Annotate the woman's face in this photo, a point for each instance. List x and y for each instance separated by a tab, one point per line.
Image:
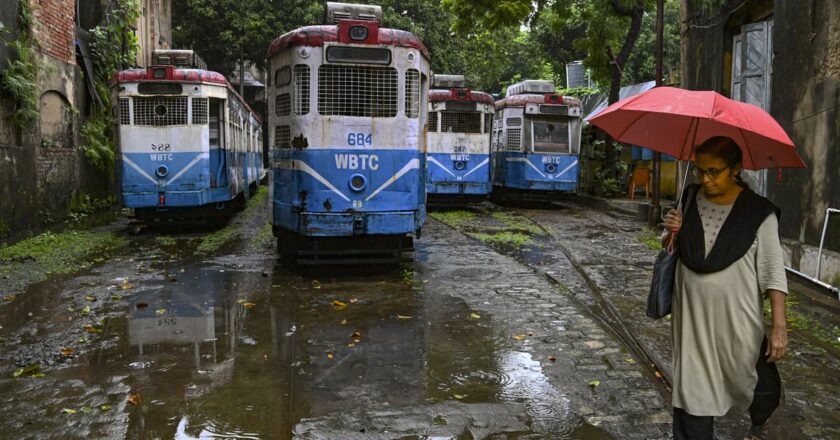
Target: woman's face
716	177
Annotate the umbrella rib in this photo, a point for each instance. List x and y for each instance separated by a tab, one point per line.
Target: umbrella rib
641	115
749	152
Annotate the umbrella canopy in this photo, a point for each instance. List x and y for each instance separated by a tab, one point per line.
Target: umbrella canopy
673	121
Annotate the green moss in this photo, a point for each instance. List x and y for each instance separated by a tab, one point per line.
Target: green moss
456	219
233	231
508	238
517	222
59	253
650	238
163	240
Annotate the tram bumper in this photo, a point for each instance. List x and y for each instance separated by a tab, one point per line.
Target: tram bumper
349	224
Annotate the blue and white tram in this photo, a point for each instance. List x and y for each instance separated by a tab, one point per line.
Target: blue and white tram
348	110
458	156
189	146
536	142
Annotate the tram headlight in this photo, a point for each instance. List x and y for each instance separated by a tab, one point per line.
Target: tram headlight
159	73
460	165
358	182
162	171
358	33
550	168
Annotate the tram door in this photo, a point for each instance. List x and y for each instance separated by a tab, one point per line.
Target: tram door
218	171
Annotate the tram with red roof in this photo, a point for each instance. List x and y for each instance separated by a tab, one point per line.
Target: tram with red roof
458	156
347	121
189	147
536	143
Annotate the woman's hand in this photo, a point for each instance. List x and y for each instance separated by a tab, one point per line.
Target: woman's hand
776	343
777	339
673	220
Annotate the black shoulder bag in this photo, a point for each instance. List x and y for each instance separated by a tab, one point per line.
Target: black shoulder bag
664	270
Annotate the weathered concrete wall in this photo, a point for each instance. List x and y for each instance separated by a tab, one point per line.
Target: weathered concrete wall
804	96
42	168
154	29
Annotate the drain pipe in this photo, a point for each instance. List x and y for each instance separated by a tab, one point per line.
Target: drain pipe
816	280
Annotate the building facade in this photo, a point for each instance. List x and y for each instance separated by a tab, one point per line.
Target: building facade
783	56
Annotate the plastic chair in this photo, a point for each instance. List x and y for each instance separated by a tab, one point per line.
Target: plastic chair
641	176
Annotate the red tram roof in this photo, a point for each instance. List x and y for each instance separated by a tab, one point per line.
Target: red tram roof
175	74
521	100
319	35
438	95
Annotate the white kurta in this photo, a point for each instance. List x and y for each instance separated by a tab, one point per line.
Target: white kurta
718	321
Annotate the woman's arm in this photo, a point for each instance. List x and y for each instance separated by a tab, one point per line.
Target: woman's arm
777	339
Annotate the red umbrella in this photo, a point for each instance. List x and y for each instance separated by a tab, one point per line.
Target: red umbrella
673	121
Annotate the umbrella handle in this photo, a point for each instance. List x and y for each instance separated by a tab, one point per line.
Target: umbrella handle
672	244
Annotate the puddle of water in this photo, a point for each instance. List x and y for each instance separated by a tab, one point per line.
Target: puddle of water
206	362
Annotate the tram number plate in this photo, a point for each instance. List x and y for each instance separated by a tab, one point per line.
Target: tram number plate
167	322
161	147
359	139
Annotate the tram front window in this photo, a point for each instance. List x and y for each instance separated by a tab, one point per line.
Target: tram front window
551	136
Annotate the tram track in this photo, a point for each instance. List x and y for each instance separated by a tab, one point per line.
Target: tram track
602	309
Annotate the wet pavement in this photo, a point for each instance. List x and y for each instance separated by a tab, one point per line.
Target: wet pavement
476	339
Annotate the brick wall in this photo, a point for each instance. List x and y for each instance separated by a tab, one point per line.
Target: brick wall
56	21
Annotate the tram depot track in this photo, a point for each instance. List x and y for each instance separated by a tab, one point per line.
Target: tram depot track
604	311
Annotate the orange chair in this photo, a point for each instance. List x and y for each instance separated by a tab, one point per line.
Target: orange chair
641	176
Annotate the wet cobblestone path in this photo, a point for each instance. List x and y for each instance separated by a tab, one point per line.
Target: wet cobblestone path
511	324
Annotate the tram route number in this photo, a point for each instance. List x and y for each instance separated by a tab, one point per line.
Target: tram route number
359	139
167	322
161	152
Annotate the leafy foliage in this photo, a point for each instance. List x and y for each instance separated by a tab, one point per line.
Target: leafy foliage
113	47
18	80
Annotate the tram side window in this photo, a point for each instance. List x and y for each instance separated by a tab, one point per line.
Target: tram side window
301	89
215	125
551	136
412	93
488	122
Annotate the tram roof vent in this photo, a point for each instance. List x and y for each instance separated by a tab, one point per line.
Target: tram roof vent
177	58
347	11
448	81
530	86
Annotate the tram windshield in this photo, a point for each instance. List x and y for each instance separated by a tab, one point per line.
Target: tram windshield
551	136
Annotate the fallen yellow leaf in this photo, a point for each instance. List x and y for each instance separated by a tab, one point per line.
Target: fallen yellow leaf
90	298
594	383
459	396
475	316
316	284
134	399
249	305
67	351
338	305
519	337
68	411
9	298
356	336
329	355
240	301
343	322
630	360
91	329
404	317
353	300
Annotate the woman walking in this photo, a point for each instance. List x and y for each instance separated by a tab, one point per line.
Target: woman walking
730	258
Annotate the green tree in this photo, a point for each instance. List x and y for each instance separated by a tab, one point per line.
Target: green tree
641	66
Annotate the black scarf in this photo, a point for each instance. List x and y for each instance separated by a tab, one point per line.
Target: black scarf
735	238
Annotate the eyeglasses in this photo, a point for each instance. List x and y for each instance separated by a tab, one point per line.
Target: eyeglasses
712	173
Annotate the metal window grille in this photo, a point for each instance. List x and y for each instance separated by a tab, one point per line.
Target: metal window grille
357	91
282	137
283	104
125	116
301	89
488	122
199	110
412	93
433	117
514	139
460	122
160	110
